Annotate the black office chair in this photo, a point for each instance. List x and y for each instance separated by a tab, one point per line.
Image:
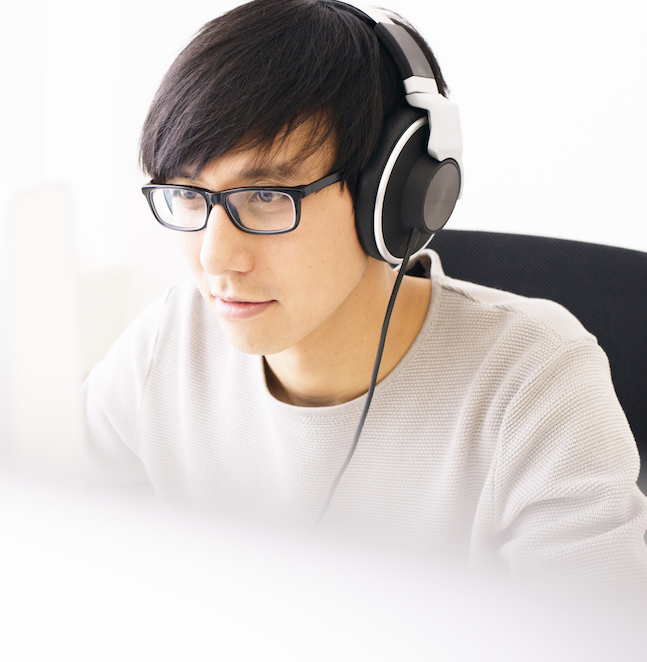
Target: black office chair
603	286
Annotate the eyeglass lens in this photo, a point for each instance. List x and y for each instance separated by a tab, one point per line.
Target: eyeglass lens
260	209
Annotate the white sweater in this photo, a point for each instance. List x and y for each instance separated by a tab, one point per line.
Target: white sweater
498	438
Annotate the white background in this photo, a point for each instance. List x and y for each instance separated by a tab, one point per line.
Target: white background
553	103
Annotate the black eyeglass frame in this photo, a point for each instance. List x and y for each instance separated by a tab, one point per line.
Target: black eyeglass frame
212	198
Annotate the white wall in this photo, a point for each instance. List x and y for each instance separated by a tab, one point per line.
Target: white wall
552	98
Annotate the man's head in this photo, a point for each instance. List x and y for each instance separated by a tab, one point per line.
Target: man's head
261	70
279	93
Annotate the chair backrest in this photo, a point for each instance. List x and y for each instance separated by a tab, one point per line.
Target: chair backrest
603	286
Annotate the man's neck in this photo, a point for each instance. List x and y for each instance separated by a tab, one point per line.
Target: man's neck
334	364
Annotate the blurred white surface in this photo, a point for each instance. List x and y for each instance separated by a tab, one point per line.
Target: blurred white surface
88	576
102	296
42	332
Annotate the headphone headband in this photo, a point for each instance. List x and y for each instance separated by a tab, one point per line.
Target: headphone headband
445	138
402	47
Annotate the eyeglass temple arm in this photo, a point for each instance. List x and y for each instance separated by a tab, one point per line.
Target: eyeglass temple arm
321	183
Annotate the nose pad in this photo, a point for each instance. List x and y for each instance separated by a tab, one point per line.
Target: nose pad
224	247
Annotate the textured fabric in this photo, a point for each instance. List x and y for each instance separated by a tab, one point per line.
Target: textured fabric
603	286
497	439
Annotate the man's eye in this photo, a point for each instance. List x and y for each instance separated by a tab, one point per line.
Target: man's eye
186	195
265	196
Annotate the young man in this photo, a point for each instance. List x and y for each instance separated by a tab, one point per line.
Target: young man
493	434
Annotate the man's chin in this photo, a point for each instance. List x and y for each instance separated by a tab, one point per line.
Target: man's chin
247	341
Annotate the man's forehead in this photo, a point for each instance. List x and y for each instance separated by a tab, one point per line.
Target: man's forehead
239	170
274	168
293	152
285	162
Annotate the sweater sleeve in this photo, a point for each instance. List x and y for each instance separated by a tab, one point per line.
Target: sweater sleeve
111	400
566	503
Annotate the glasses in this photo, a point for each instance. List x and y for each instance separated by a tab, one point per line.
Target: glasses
253	209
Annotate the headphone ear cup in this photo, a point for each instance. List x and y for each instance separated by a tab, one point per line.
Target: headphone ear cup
430	194
381	185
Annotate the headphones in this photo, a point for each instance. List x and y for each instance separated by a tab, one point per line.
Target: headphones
414	177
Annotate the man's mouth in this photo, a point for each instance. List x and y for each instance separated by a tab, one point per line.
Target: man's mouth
236	309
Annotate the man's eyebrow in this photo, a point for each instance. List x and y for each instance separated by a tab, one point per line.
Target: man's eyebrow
254	171
276	171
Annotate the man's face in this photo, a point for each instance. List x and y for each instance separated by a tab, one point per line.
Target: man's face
275	292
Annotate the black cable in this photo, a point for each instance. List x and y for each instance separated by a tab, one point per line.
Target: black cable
413	238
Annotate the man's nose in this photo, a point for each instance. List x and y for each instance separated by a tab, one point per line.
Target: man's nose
224	246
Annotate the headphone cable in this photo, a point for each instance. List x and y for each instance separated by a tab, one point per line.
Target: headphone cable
411	242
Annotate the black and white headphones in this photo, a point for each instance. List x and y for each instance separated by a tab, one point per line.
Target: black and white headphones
415	174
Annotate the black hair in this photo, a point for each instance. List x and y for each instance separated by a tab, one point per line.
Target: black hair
264	68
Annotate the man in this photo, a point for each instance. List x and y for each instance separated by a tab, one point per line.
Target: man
493	433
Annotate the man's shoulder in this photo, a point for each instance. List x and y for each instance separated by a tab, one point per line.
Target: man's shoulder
466	303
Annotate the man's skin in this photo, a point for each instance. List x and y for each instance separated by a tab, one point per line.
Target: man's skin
325	298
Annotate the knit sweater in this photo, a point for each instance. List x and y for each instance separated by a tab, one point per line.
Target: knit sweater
498	438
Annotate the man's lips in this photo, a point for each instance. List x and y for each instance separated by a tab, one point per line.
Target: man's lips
236	309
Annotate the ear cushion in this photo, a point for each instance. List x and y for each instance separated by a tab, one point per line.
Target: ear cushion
385	190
